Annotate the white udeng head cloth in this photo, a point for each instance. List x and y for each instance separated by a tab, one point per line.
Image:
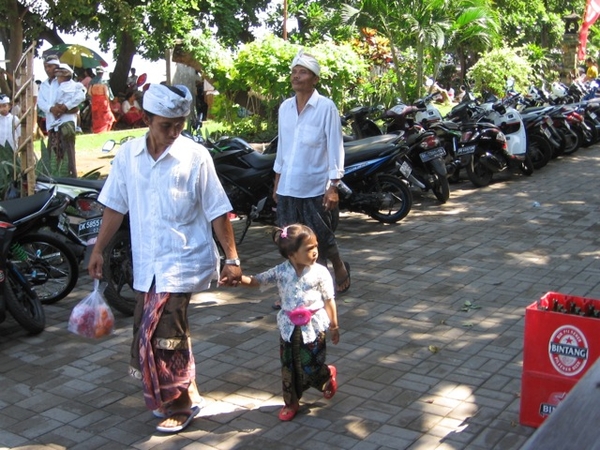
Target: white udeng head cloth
167	101
65	67
304	60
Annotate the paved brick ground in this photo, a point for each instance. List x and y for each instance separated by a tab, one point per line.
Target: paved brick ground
415	370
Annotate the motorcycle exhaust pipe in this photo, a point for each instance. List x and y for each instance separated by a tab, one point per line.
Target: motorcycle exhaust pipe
416	182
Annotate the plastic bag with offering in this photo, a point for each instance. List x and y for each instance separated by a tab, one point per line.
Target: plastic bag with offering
92	317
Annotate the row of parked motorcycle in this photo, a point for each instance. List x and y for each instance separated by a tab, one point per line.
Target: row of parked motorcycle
44	238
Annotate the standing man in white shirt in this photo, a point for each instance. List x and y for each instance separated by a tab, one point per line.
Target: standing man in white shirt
61	121
168	185
310	163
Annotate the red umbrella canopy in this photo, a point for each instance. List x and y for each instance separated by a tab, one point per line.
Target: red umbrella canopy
76	55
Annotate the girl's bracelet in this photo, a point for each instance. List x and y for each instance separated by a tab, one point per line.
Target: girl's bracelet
334	328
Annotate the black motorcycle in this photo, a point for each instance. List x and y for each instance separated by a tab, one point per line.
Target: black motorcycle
371	174
44	247
16	295
425	154
360	121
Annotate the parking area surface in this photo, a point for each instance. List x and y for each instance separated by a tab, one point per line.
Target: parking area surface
431	347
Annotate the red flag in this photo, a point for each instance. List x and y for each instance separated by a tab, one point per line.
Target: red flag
592	12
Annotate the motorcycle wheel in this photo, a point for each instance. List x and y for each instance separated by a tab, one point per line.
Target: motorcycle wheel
401	194
118	273
527	166
22	302
479	175
591	136
540	150
571	142
441	188
51	267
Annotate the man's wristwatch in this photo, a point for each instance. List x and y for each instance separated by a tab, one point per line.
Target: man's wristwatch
232	262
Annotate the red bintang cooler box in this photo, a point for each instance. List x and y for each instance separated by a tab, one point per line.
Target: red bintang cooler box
562	340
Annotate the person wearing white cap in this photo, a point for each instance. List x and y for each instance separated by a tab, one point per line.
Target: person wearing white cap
310	148
10	131
61	119
168	185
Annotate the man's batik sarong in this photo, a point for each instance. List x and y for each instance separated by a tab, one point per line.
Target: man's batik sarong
164	356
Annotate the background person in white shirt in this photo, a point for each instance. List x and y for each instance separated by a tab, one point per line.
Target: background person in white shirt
168	185
309	163
61	120
10	132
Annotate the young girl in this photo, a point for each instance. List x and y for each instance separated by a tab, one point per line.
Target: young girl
308	310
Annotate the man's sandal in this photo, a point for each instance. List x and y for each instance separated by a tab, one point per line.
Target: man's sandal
344	281
163	413
188	416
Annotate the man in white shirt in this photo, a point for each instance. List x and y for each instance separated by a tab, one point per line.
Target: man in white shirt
168	185
310	163
10	131
61	119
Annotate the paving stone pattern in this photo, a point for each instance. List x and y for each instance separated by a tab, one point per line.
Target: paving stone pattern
418	366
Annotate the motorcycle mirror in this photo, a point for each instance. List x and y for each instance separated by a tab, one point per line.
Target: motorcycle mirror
510	83
429	82
108	146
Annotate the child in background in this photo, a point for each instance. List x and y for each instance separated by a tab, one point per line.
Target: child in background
308	310
10	132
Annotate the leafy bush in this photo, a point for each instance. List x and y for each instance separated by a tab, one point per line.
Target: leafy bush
489	74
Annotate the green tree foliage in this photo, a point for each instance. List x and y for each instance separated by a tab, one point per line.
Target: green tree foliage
316	20
143	27
489	74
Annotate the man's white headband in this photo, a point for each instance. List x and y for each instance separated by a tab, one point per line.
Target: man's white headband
167	101
304	60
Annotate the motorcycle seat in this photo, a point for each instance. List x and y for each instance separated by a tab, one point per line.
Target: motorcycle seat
446	124
369	148
95	185
260	161
19	208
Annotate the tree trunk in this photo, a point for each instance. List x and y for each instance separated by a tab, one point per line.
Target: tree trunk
12	41
127	50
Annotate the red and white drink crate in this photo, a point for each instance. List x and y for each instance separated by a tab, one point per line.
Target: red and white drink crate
562	341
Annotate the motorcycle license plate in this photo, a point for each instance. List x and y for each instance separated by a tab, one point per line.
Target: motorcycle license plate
467	150
405	169
593	115
548	121
432	154
63	223
89	227
547	132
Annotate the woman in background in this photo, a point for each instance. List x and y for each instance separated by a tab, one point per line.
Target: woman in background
100	97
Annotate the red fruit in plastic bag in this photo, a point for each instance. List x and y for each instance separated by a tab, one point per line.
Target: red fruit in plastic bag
92	316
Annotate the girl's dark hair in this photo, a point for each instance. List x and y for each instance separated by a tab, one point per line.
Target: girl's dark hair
289	239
